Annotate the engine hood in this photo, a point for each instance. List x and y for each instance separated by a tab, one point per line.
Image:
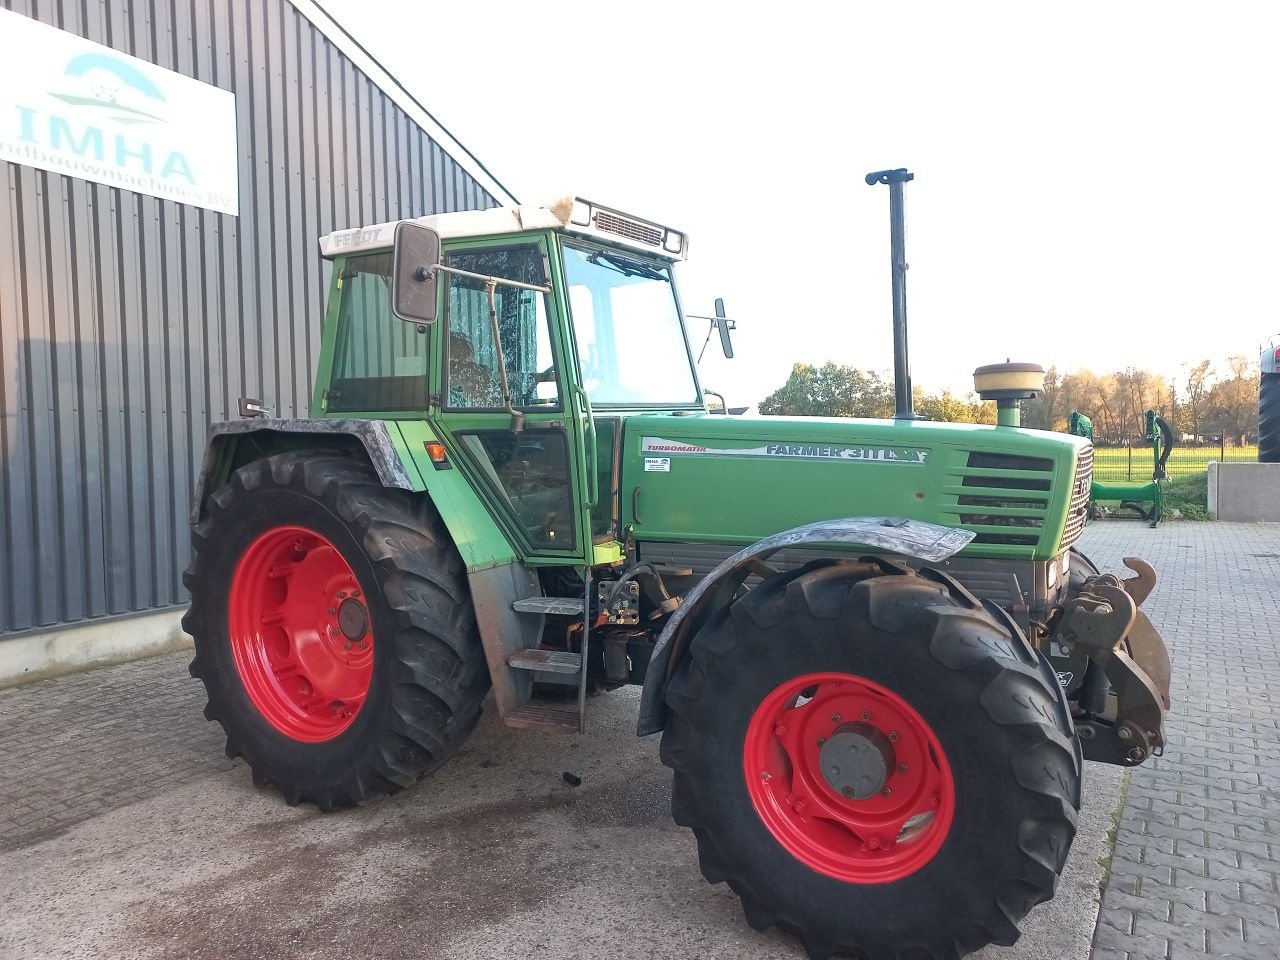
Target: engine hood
737	479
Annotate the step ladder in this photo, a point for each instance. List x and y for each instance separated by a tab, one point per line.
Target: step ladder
554	716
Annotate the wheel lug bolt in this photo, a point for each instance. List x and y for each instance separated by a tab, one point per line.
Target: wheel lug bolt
779	730
363	645
333	611
902	768
835	718
895	736
885	792
766	776
347	645
821	741
342	595
355	593
866	714
800	806
848	792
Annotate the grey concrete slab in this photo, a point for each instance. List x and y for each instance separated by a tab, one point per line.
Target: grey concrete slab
151	845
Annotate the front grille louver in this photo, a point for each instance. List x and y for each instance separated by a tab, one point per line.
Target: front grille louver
1078	511
1005	497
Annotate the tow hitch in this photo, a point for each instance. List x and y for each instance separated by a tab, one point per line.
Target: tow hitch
1103	622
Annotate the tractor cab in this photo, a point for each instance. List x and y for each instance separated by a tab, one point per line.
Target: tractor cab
523	336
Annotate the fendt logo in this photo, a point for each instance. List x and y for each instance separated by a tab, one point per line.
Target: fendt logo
80	109
104	91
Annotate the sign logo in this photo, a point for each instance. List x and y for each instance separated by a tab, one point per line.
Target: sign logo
77	108
111	84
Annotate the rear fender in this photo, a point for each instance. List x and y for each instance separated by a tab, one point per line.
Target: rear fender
267	435
930	542
396	450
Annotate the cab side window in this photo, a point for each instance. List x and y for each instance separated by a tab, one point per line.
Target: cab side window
473	381
380	362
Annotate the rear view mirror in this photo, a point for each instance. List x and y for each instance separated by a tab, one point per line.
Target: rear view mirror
725	326
413	272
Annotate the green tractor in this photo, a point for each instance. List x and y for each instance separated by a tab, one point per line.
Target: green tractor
874	657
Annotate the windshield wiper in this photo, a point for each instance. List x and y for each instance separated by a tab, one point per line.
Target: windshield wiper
626	267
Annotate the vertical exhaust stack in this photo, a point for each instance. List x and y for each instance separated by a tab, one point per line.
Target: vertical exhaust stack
898	267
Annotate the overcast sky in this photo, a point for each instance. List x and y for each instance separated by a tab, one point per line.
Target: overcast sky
1098	184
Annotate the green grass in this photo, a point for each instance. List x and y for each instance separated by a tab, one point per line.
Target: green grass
1111	464
1189	494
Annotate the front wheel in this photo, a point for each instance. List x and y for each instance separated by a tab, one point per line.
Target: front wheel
879	765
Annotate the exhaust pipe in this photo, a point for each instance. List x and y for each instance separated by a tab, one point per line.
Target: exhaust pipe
898	266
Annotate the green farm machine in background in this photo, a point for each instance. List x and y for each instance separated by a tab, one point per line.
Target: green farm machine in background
1144	499
874	656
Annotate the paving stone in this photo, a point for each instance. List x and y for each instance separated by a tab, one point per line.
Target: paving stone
1216	791
118	712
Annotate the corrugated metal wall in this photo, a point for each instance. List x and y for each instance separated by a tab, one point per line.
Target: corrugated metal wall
128	323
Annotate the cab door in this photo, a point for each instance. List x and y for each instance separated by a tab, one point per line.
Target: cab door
534	480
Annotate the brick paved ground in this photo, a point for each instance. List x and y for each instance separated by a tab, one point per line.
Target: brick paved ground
55	734
1196	870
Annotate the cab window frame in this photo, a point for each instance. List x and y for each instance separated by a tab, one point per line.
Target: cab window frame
379	394
562	383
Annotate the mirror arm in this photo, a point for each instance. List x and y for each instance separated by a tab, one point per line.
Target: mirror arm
485	279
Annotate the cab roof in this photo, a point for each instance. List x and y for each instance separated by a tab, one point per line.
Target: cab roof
570	214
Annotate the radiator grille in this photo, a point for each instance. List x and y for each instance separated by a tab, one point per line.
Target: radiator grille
631	229
1003	497
1078	511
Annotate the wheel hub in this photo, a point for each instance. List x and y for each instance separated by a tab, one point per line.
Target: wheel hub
848	777
301	637
353	619
856	761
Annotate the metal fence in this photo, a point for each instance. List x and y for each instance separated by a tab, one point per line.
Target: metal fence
1134	460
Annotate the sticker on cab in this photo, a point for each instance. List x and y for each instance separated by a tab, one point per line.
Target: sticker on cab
657	464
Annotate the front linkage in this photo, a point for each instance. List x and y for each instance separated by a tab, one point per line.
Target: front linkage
1102	623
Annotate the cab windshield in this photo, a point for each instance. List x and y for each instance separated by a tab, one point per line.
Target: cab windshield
631	343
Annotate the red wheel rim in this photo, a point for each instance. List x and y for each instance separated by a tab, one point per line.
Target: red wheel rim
300	633
879	838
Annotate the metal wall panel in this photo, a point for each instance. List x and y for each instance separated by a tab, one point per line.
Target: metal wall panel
128	323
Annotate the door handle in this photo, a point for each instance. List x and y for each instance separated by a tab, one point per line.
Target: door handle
593	479
635	505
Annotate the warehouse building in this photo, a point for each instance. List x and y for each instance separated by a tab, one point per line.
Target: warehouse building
168	168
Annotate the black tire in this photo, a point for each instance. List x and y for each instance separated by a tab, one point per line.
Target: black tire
428	675
1080	568
989	697
1269	418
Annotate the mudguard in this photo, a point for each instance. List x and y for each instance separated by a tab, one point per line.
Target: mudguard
372	434
930	542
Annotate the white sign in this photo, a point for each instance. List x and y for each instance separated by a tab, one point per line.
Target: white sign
72	106
657	464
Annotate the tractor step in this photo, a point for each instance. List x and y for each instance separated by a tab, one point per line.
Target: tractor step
551	661
552	606
540	716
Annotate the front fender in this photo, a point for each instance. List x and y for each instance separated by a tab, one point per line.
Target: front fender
930	542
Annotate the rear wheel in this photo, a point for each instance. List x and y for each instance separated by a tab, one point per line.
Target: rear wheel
333	628
881	766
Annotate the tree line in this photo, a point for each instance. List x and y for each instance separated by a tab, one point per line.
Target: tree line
1206	403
